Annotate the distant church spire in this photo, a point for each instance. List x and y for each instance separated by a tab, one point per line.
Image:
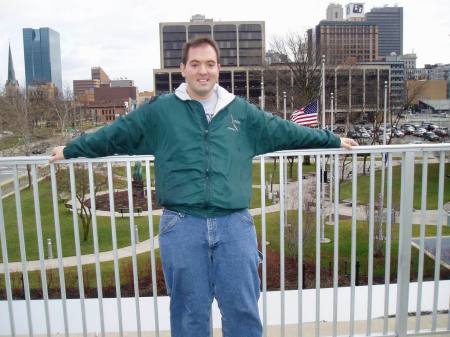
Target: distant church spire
11	74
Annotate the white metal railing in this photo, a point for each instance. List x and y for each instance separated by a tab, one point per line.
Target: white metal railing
411	155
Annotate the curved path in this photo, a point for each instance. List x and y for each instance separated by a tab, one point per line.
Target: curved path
431	217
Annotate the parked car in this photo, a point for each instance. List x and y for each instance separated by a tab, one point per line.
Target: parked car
39	148
339	129
352	134
418	132
398	133
429	126
441	132
363	134
381	136
431	136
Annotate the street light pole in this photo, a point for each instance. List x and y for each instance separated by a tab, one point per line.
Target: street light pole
262	96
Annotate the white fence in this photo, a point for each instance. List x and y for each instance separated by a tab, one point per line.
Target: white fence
333	300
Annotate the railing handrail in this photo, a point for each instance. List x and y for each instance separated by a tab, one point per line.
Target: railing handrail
366	149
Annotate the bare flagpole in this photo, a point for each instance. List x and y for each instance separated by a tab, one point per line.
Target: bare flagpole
322	189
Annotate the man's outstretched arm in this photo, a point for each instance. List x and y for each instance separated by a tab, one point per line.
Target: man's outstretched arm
130	134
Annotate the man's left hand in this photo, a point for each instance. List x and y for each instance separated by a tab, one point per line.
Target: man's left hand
348	143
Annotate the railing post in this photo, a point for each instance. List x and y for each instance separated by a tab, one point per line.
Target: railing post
404	248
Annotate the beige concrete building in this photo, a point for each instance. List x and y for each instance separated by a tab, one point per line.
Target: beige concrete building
426	90
340	41
83	90
242	53
144	97
97	73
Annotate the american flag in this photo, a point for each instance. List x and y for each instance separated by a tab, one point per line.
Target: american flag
306	115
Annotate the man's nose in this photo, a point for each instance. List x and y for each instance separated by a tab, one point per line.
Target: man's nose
202	69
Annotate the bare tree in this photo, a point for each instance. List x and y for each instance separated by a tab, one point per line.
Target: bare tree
63	109
82	192
308	223
304	85
19	117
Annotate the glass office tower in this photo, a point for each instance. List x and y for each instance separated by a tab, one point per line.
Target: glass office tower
42	57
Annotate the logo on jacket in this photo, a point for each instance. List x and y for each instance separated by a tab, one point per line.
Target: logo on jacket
234	125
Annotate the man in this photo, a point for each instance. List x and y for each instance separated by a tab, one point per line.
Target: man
204	139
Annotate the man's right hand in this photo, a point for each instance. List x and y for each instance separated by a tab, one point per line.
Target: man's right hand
57	153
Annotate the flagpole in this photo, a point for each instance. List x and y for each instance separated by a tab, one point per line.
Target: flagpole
322	185
285	161
323	91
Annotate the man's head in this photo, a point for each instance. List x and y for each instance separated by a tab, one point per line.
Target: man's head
200	66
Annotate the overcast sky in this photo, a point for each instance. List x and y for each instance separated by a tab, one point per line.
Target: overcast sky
123	36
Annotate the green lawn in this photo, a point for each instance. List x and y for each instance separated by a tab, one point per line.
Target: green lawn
10	141
275	171
123	234
362	246
67	231
126	279
363	186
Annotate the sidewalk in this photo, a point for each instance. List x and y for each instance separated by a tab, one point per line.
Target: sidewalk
71	261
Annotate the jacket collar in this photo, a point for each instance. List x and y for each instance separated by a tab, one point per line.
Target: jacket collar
224	97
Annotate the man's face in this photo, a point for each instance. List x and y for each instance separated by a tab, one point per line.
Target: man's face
201	71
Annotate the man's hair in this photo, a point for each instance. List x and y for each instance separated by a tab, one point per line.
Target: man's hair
198	42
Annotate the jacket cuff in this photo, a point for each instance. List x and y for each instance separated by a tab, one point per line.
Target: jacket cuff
68	152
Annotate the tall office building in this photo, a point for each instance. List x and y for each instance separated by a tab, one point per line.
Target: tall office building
335	12
242	53
42	57
390	29
340	41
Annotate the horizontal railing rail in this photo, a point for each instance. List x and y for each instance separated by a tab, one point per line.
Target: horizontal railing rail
350	242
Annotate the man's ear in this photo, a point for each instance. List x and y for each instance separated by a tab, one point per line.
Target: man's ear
182	68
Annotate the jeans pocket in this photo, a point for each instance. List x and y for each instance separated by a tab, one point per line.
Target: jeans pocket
168	221
260	257
245	216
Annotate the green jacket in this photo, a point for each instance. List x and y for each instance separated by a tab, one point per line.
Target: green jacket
201	168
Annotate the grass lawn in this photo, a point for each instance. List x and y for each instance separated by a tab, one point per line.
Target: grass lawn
122	171
123	233
67	230
363	186
269	169
10	141
362	245
143	260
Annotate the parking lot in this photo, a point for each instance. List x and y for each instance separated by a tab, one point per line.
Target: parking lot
409	130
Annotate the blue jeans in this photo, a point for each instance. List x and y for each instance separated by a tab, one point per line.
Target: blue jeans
207	258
